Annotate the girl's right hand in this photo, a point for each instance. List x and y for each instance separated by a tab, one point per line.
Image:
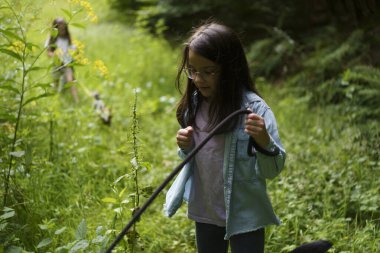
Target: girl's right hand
185	138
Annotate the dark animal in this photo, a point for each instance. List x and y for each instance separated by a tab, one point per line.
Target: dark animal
320	246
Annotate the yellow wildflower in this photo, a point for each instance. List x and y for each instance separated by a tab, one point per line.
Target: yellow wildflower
17	47
79	45
84	61
93	17
101	68
78	53
85	4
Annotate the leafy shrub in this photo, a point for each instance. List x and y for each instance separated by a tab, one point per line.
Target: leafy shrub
270	57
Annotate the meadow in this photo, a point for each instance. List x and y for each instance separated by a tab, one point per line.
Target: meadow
70	182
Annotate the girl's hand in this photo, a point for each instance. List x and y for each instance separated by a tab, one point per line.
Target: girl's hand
255	127
50	53
185	138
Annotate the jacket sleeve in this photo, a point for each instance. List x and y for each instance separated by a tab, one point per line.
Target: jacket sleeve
180	188
270	166
182	153
178	191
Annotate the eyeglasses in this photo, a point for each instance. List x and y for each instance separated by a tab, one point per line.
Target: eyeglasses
206	75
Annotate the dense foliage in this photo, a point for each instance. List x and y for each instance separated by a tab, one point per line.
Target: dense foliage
69	182
295	16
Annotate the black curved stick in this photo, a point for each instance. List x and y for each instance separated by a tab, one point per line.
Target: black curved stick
137	215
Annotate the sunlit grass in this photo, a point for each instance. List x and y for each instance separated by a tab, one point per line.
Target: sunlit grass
76	168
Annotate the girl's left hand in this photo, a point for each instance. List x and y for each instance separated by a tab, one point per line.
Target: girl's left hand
255	127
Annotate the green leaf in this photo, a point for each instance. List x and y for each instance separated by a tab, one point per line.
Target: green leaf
8	80
7	209
43	226
13	249
7	117
42	85
8	87
63	249
125	201
37	97
17	153
99	239
99	230
11	53
78	25
60	231
67	12
81	231
120	178
54	32
7	215
146	165
3	226
11	34
79	246
31	45
75	12
45	242
33	69
109	200
118	210
122	192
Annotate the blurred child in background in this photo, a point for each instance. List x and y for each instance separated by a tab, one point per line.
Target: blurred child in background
59	47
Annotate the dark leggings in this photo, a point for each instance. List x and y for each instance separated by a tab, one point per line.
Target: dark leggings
210	239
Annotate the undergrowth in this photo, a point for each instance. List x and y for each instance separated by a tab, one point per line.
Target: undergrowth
70	183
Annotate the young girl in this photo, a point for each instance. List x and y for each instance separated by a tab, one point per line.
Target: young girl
59	47
225	187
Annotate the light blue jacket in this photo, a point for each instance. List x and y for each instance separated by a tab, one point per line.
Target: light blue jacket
248	207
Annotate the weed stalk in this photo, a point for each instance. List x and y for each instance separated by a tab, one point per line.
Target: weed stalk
135	131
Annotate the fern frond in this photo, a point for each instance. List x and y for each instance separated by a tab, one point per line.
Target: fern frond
366	75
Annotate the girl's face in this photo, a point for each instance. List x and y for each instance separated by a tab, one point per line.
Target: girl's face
204	73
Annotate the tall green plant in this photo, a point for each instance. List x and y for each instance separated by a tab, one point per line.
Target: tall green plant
138	167
22	55
127	199
135	163
22	85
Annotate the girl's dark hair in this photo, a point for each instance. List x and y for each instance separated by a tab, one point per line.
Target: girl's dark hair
221	45
59	23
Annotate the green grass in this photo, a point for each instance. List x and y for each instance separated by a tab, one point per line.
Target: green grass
326	168
75	168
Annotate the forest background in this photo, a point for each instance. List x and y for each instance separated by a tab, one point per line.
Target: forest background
69	182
